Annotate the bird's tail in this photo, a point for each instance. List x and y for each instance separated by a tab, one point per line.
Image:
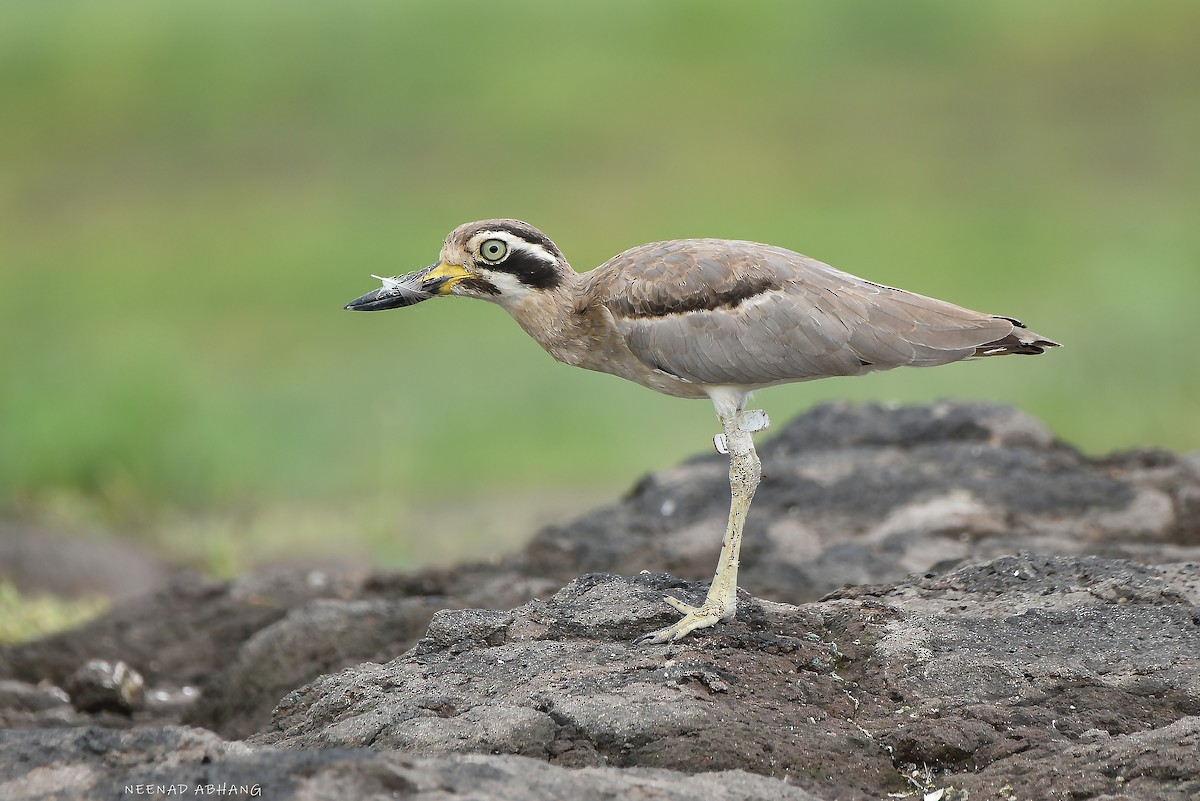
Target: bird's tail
1021	341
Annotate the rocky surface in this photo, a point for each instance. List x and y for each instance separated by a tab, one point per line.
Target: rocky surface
870	494
985	676
96	763
938	597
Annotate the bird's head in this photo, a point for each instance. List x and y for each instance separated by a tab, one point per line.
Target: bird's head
504	261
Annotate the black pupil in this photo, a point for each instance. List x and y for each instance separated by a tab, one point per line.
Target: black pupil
493	250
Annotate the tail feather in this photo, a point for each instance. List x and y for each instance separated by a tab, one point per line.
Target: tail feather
1021	341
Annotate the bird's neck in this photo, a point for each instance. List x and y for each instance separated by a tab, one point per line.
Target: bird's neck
551	317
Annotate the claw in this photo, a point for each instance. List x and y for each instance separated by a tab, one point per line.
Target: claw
694	617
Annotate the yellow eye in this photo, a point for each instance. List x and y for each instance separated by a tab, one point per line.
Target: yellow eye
493	249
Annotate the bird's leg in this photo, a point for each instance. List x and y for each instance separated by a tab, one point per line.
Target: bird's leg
745	470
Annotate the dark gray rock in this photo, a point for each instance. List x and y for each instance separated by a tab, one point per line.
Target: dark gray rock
870	494
1158	763
93	763
221	654
966	674
24	697
183	633
314	638
23	705
1068	670
103	686
325	635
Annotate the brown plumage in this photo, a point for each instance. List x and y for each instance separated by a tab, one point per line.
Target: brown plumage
705	318
716	311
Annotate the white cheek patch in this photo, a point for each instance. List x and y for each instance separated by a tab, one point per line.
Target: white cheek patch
509	285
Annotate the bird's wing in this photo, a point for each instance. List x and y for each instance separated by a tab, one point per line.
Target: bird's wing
726	312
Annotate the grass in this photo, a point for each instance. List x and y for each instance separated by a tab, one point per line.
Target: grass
25	617
192	190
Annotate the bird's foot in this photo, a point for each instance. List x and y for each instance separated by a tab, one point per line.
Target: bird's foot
694	617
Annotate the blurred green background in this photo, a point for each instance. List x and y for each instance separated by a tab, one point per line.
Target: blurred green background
191	190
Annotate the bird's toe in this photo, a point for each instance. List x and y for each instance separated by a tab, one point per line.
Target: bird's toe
694	617
685	608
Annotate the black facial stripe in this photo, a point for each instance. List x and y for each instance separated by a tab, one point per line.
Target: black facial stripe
528	269
481	285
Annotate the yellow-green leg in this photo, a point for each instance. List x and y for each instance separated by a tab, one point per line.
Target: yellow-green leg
745	470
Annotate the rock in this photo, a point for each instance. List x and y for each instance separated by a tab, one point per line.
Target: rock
325	635
1158	763
938	597
192	763
18	695
971	674
870	494
24	705
318	637
102	686
183	633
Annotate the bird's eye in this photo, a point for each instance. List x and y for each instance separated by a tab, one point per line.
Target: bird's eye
493	249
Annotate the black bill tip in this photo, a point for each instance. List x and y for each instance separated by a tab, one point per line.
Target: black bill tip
398	292
381	299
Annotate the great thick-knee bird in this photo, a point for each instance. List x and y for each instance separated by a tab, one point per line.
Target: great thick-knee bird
699	318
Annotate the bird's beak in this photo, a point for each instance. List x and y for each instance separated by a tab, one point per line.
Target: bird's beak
405	290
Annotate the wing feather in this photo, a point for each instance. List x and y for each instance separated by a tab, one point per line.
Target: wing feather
740	313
